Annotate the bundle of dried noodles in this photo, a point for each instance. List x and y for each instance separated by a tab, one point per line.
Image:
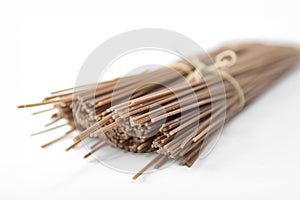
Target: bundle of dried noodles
173	110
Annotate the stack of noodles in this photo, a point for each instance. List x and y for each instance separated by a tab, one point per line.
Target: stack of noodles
171	110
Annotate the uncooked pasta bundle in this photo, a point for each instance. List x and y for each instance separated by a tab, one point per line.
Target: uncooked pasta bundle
175	110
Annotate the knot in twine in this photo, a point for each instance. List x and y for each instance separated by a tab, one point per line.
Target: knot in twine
223	60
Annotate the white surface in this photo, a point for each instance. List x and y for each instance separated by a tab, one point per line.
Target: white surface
42	50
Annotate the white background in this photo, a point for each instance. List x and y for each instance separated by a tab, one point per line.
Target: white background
43	45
